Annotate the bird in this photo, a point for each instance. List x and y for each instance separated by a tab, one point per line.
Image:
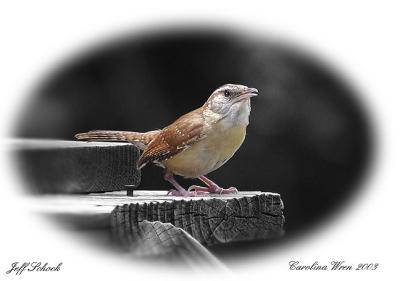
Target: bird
196	144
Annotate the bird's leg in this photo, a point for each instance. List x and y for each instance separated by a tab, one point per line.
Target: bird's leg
214	188
179	190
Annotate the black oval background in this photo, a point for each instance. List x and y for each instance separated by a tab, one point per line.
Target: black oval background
308	137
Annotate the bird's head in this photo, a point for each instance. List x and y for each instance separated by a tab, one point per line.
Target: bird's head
231	100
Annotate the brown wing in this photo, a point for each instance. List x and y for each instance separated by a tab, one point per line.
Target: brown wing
173	139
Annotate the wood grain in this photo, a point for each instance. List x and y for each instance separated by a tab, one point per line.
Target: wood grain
210	220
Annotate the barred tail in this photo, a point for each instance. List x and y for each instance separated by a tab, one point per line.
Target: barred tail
141	139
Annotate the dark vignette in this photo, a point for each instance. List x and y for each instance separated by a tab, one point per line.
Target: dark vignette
308	137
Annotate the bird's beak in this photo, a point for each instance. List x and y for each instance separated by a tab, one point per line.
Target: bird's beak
251	92
248	93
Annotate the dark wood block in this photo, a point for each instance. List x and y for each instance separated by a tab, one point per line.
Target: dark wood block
54	166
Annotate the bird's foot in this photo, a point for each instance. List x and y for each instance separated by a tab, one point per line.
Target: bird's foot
213	189
199	189
186	193
220	190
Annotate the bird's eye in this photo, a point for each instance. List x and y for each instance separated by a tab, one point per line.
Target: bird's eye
227	93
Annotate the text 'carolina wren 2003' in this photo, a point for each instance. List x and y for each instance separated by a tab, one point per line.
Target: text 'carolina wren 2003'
197	143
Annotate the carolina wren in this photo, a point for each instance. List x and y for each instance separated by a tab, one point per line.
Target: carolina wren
197	143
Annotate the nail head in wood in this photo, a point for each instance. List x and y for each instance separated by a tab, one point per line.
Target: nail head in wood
129	189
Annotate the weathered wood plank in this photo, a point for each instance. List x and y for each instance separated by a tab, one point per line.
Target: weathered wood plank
55	166
162	239
168	244
152	224
211	219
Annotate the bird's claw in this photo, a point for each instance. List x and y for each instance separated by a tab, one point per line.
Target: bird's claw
199	189
230	190
216	190
196	190
186	193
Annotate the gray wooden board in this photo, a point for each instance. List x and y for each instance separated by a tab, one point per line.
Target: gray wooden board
152	224
56	166
211	219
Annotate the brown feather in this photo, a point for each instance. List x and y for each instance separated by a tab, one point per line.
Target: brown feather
175	138
134	137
